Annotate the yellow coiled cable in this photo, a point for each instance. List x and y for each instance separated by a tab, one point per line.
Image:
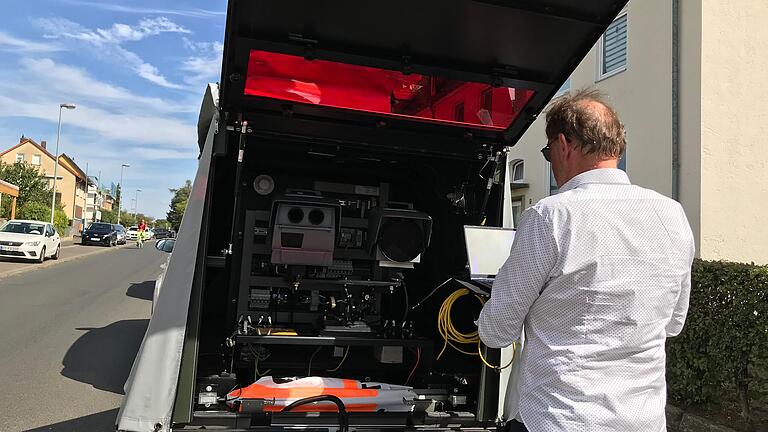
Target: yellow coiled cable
453	336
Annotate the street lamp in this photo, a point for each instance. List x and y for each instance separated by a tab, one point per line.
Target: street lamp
136	209
56	166
120	185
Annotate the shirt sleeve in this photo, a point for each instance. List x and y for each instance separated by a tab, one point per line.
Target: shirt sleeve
519	281
675	324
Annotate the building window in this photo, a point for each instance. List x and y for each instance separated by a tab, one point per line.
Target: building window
612	49
518	172
36	160
458	112
19	157
517	210
623	162
564	88
552	182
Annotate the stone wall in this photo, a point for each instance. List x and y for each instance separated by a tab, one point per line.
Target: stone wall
680	421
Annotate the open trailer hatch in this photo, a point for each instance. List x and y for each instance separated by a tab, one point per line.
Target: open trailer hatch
488	67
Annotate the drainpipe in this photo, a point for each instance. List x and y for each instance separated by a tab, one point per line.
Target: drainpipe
676	100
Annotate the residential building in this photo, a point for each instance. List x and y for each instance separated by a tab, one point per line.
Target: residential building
687	83
108	200
94	202
70	179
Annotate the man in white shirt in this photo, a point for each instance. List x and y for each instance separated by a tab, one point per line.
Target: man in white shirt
599	276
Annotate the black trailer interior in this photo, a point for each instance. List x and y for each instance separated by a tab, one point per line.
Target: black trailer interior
332	227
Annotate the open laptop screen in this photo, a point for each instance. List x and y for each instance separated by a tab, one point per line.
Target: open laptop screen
487	249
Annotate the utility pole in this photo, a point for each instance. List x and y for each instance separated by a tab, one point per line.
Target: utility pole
56	162
136	209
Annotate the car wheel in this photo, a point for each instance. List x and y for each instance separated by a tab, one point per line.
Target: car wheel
58	252
41	258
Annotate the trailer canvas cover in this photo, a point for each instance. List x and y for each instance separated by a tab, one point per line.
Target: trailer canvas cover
151	385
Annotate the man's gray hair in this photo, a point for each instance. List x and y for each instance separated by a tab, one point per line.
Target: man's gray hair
583	116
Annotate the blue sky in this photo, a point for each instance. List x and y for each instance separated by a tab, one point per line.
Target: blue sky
136	69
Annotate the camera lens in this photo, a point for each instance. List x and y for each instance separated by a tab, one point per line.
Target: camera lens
295	215
401	240
316	217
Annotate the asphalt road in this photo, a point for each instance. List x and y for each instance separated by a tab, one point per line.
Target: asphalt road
69	334
69	251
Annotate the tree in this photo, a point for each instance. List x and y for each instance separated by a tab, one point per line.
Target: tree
109	216
162	223
116	205
179	204
127	219
33	187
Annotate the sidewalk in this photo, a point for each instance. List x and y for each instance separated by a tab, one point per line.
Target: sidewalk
68	241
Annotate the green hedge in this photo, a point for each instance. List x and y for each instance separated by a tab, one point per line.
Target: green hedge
724	343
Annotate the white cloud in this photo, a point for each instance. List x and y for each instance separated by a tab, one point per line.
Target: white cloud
151	153
112	112
192	12
108	42
77	84
117	34
201	70
206	65
151	74
11	43
116	126
214	47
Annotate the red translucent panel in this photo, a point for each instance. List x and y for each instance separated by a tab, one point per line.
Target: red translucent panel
380	91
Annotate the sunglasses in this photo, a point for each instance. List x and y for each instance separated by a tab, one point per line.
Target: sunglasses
545	152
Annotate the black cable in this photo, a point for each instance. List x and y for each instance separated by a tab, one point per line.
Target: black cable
431	293
343	415
312	357
407	305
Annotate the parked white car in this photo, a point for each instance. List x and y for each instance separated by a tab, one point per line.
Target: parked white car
30	240
132	233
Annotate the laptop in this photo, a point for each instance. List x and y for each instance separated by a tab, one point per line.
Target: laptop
487	250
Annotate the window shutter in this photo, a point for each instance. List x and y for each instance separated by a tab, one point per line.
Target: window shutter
615	46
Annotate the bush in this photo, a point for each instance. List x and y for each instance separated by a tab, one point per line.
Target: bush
60	221
725	336
42	212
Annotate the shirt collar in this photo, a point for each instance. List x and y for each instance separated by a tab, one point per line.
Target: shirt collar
600	175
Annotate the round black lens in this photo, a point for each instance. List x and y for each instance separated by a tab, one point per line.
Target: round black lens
316	216
295	215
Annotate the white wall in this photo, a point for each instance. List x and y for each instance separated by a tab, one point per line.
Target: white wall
734	127
642	95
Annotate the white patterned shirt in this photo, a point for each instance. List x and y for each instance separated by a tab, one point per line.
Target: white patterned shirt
599	275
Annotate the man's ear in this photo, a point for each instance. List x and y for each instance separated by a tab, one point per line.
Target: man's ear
564	145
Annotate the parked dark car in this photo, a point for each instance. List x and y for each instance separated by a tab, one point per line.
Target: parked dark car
100	233
121	234
161	233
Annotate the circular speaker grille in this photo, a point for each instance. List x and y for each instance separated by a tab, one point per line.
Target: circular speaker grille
263	184
295	215
401	240
316	216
